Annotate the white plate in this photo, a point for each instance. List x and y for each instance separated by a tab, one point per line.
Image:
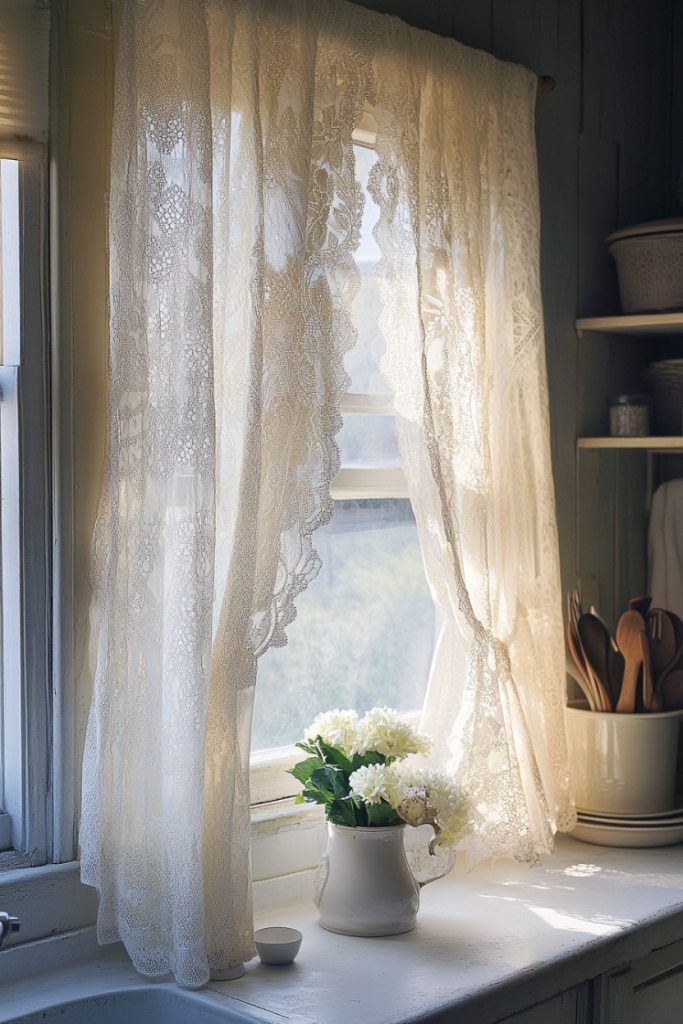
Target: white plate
644	821
627	835
676	812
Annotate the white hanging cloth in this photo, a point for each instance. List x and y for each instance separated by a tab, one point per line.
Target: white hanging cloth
665	547
456	182
234	215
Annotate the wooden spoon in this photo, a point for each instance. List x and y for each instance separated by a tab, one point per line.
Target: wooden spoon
581	674
630	631
595	643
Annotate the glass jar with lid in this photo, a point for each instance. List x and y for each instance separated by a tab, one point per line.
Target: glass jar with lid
629	416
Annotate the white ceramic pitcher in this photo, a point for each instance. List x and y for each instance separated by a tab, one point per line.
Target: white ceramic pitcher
367	887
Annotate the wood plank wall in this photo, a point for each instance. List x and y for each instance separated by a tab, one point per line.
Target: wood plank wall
610	140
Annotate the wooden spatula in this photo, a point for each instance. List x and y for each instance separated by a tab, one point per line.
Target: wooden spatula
630	636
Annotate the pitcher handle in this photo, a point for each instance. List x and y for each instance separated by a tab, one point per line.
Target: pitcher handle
450	860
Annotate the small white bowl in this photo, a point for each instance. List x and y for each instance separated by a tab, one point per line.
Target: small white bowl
277	945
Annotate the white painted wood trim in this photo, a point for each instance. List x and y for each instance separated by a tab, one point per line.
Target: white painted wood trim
360	484
47	900
639	324
286	839
268	778
375	405
21	149
36	532
64	768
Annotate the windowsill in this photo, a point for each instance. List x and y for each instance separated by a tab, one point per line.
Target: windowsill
491	943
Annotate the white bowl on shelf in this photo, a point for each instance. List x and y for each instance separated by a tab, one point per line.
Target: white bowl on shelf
277	944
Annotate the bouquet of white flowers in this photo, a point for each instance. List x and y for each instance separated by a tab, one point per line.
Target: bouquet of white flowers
357	769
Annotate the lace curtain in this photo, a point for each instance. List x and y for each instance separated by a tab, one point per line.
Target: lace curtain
456	183
234	216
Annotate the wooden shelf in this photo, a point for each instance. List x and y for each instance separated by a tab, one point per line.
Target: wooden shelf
652	444
638	323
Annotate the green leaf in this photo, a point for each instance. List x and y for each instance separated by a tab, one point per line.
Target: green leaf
307	748
304	769
332	779
315	796
371	757
342	812
382	814
334	755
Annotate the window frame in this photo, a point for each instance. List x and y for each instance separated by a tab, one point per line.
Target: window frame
27	536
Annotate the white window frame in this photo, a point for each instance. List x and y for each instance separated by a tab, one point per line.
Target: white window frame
26	540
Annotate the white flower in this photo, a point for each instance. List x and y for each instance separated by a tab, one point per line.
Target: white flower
338	728
375	782
384	731
432	797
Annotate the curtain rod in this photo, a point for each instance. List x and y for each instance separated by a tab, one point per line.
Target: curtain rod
546	83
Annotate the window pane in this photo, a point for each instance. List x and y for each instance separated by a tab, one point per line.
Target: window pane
365	628
362	362
368	440
9	261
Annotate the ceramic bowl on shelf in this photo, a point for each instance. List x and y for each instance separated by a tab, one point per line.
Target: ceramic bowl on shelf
622	763
277	945
649	260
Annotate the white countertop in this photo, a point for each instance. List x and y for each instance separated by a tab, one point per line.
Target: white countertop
489	942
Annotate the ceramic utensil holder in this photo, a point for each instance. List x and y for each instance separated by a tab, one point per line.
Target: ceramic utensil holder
622	763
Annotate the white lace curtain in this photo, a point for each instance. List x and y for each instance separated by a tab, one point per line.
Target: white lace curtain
234	216
456	183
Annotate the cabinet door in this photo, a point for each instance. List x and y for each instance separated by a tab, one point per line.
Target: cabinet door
660	999
570	1007
650	991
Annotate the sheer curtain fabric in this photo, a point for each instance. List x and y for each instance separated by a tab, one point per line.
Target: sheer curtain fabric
233	220
456	183
234	216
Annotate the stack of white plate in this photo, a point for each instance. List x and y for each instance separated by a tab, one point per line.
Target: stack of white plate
604	829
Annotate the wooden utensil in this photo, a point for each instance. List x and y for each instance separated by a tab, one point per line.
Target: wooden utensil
595	646
678	627
630	630
651	698
612	641
640	604
580	675
661	642
616	674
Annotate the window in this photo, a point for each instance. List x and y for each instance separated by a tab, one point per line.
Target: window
24	517
365	629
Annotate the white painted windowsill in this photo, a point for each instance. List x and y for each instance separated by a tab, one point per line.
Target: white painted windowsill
487	943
